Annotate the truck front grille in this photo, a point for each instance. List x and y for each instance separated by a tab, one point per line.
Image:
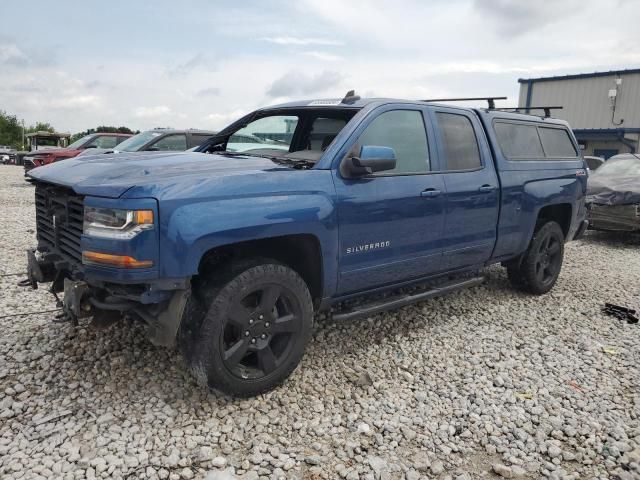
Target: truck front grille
59	217
28	164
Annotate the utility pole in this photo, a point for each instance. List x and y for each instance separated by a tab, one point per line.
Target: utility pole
22	134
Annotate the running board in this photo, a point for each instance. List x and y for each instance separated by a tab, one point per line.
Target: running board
398	301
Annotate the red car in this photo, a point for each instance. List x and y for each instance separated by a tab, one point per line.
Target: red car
93	140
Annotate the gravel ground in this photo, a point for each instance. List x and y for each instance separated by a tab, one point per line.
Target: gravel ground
483	383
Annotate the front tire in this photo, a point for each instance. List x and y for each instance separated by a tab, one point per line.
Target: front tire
540	266
258	321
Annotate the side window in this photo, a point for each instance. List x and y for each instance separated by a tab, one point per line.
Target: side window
459	142
557	143
176	142
198	139
518	141
119	140
106	141
404	131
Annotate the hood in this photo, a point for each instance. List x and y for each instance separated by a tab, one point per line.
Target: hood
56	152
613	189
112	175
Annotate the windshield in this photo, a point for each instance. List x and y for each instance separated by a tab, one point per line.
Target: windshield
135	143
79	143
619	166
274	132
292	136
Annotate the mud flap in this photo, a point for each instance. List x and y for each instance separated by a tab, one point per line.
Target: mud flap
164	327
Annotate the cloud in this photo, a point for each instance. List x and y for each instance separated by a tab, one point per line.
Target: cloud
516	17
295	83
12	56
152	112
197	61
221	120
302	41
328	57
76	101
208	92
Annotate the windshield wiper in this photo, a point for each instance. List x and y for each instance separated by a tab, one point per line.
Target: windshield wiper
294	162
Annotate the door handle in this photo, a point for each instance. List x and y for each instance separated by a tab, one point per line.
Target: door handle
487	188
430	193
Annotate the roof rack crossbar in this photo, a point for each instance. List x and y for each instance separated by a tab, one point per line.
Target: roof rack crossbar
547	109
490	100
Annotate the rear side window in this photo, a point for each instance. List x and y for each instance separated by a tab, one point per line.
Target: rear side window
518	140
402	130
459	141
531	142
557	143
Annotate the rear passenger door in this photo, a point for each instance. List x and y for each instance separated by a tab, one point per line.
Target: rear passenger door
471	185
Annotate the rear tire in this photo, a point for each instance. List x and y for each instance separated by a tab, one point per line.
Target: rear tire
246	332
539	267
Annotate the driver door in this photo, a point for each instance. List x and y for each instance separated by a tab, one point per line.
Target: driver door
391	222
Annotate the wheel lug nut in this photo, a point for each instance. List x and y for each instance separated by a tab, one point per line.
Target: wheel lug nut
253	340
251	321
247	333
263	336
261	317
267	324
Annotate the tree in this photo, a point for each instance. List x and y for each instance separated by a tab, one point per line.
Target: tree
10	130
40	127
101	129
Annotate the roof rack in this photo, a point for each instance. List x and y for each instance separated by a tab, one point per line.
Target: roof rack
490	100
547	109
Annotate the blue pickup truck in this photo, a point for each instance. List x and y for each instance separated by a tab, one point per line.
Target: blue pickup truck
350	206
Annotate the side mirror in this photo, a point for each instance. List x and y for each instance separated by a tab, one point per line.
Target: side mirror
152	149
371	159
91	146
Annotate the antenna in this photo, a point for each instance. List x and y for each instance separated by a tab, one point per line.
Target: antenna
350	97
489	100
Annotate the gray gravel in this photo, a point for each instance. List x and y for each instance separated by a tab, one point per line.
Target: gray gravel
480	384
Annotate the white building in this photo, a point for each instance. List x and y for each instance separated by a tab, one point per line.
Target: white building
603	108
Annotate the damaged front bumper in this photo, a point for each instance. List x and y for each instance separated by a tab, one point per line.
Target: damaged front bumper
160	304
622	218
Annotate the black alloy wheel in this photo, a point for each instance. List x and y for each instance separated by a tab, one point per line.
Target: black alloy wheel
548	259
537	270
260	331
246	326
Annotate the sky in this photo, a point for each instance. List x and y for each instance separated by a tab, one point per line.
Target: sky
203	64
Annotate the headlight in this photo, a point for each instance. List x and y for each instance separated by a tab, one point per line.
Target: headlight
116	223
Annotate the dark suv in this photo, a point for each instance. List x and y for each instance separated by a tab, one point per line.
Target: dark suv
165	140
